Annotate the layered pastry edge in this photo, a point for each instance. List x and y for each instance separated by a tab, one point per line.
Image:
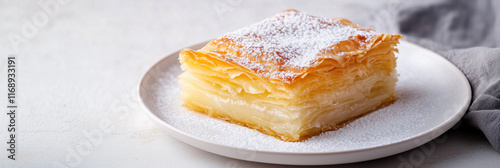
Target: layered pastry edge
290	108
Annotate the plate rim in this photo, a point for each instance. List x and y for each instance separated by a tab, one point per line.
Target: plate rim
441	128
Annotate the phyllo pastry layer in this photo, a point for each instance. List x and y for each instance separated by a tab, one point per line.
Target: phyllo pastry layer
292	75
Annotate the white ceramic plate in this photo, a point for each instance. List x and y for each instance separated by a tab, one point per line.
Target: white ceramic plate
432	96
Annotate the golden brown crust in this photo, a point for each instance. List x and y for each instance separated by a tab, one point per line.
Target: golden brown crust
342	52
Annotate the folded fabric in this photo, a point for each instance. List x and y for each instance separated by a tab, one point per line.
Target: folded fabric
467	33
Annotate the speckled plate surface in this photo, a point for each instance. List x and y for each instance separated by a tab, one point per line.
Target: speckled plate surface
432	96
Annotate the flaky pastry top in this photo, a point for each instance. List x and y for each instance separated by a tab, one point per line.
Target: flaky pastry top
291	43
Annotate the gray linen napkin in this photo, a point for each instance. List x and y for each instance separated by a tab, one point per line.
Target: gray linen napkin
467	33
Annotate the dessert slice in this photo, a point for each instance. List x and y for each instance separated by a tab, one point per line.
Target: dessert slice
291	76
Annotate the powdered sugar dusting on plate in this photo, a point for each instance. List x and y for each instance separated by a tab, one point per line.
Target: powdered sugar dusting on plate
291	39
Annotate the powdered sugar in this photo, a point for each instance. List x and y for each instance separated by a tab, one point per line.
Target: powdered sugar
292	40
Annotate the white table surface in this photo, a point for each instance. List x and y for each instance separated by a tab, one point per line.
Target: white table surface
78	74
